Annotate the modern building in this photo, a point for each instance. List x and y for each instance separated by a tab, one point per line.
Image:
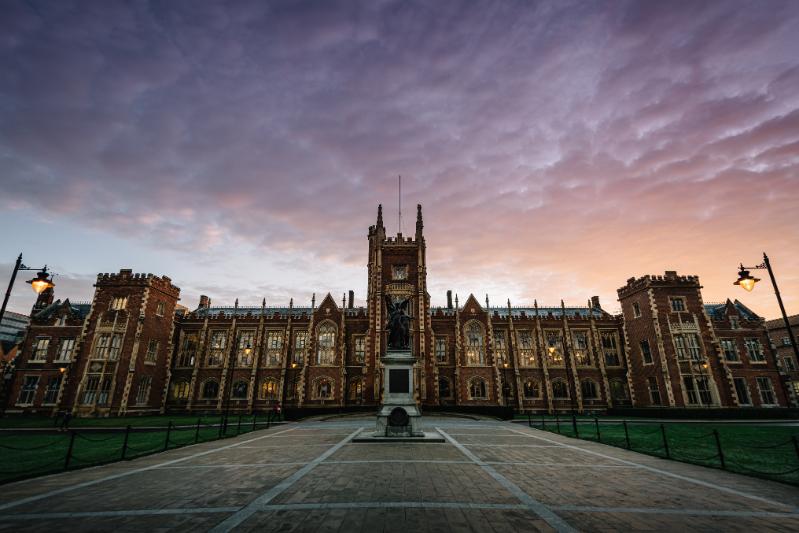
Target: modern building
786	356
129	351
12	327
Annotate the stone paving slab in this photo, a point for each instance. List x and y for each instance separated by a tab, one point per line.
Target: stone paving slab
488	476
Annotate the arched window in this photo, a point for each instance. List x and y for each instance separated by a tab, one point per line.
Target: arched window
326	343
560	389
180	390
444	388
356	389
323	389
475	344
477	389
210	389
618	389
589	389
239	390
268	390
531	389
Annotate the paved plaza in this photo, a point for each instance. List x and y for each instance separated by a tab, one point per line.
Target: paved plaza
487	476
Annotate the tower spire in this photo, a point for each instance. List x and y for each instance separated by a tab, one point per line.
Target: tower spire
419	222
399	203
380	215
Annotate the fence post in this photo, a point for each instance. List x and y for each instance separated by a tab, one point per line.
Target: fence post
626	434
529	420
125	441
598	435
254	417
238	427
718	446
574	426
665	441
795	445
69	450
557	421
543	421
197	432
168	431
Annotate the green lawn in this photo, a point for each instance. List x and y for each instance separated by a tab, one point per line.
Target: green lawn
134	421
34	454
764	451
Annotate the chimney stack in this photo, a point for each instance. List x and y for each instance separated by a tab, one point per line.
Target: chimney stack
205	302
351	300
595	302
449	299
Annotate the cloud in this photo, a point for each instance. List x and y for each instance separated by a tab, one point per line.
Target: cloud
558	148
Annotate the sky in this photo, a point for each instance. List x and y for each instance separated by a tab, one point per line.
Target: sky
558	148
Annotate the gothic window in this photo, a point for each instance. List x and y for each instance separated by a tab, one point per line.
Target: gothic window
268	389
646	352
101	346
119	302
654	390
636	310
90	389
51	392
526	348
475	345
444	388
143	394
105	390
677	304
754	350
65	349
210	389
560	389
40	349
589	389
28	391
326	344
160	308
360	349
767	396
500	347
582	355
239	390
730	350
441	349
399	272
323	389
531	389
116	347
356	390
300	341
610	348
187	351
245	348
554	341
477	389
618	389
216	350
180	390
274	347
152	351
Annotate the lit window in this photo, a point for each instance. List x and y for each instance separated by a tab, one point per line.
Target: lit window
245	348
180	390
526	348
582	355
119	302
554	348
268	389
326	344
475	345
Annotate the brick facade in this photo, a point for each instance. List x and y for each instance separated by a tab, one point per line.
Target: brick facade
134	354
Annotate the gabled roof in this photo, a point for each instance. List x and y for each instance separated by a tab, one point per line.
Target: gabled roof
78	310
719	311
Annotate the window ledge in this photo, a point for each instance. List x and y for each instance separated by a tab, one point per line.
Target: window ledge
37	361
151	363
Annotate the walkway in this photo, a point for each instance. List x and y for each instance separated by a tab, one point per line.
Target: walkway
488	476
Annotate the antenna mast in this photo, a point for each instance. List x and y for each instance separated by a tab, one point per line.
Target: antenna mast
399	201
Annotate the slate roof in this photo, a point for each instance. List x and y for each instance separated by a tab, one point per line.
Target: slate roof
79	309
718	311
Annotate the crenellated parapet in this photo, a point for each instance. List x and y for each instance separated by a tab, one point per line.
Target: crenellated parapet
126	278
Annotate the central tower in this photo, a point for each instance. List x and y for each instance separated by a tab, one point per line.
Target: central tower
397	268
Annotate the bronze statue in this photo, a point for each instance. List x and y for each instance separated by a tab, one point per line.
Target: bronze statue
399	324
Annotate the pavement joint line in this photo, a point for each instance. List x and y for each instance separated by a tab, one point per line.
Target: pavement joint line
123	513
672	511
258	503
62	490
283	446
477	445
391	505
681	477
549	516
233	465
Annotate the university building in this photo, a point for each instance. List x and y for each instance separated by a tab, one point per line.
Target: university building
133	350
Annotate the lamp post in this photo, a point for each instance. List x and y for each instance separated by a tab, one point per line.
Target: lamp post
41	282
747	281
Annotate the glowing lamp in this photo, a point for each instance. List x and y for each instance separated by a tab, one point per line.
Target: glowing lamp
247	350
62	369
293	365
745	280
41	282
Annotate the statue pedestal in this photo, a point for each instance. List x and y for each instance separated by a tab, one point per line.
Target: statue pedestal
399	419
